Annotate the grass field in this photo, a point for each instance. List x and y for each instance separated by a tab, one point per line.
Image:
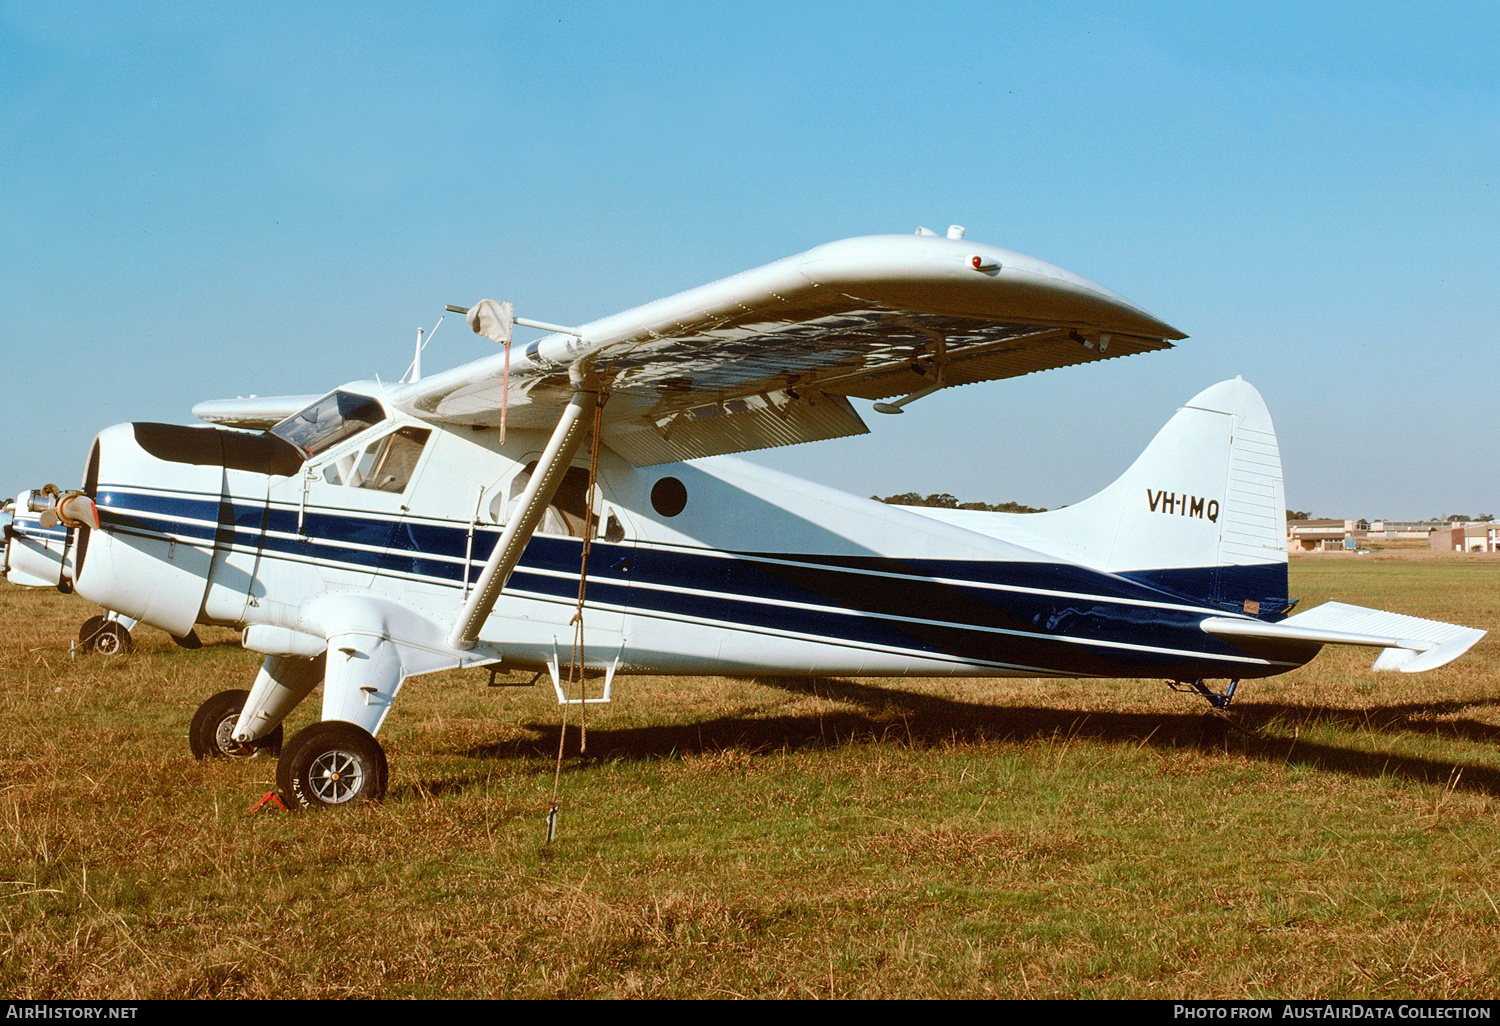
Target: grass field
830	838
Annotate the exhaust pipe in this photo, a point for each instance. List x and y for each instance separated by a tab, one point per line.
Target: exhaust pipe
71	509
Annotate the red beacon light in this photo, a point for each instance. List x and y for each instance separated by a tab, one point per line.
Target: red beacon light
984	264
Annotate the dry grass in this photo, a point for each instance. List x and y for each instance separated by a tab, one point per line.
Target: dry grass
774	837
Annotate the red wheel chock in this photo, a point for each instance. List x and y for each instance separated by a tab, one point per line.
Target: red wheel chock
270	798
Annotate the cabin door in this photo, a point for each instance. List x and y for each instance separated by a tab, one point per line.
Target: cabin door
541	597
348	503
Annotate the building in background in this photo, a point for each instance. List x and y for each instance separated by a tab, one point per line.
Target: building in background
1389	529
1466	537
1326	535
1323	535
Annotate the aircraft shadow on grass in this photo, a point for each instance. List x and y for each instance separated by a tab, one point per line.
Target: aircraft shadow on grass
901	717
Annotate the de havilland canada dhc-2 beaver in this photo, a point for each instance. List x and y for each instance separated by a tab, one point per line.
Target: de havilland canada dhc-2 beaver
384	531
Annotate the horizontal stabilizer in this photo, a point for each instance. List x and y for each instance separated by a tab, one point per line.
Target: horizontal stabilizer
1409	643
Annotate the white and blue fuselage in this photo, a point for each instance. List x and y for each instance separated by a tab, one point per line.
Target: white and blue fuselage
713	566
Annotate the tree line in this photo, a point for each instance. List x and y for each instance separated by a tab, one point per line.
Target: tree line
942	500
1451	518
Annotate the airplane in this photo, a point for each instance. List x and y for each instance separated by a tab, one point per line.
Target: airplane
573	505
46	564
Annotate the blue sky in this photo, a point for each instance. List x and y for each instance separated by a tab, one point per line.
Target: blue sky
216	200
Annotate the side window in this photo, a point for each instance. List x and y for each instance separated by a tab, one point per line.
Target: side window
385	465
614	531
568	511
570	504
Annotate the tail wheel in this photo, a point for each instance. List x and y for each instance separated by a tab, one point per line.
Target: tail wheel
329	764
104	636
212	734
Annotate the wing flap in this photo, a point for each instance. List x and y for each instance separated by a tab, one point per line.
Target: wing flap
760	421
1045	350
1410	644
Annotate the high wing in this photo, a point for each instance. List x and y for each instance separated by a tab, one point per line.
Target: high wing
256	411
771	356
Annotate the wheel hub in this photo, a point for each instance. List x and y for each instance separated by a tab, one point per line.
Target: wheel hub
224	738
336	777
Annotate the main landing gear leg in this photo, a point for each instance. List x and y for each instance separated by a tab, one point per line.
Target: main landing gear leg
338	761
243	724
283	681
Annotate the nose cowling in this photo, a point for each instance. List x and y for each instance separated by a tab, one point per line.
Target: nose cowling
36	554
158	509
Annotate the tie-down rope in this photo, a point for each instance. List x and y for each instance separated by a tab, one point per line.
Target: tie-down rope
575	663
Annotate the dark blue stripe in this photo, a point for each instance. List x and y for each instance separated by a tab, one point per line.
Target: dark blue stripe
825	582
166	505
153	525
1227	587
36	532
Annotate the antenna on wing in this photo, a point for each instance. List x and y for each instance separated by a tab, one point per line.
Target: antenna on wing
414	369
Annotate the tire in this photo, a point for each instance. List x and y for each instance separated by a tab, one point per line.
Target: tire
331	764
103	636
211	735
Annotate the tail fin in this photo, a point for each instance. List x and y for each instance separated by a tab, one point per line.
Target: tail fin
1201	512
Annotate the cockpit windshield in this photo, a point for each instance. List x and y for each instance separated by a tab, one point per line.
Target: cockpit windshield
329	421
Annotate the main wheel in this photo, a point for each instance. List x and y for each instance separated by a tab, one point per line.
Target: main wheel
212	734
104	636
331	763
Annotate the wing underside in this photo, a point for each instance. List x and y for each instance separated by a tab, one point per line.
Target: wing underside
772	356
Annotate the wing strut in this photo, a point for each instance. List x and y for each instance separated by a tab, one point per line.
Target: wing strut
561	448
